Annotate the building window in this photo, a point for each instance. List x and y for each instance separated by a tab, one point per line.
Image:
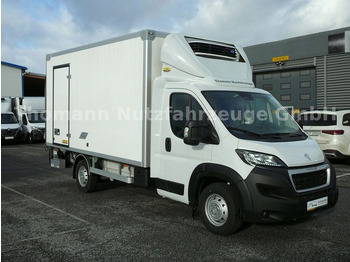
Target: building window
285	85
267	76
304	72
285	97
268	87
336	43
285	74
305	96
305	84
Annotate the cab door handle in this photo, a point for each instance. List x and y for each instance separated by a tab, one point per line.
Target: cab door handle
168	144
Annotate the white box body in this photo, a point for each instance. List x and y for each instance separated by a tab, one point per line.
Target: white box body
98	96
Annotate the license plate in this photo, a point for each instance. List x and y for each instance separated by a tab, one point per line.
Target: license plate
312	205
9	137
313	133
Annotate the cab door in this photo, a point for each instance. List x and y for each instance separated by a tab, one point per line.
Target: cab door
178	160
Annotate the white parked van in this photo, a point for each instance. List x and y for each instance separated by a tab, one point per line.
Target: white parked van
31	114
181	114
10	127
330	129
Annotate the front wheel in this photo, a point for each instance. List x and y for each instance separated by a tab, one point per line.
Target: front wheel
86	181
219	209
30	138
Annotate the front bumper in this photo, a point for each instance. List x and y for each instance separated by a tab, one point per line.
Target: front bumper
271	194
12	135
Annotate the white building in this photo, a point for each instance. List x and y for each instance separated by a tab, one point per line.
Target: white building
12	84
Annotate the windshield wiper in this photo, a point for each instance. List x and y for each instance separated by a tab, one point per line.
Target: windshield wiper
243	131
279	135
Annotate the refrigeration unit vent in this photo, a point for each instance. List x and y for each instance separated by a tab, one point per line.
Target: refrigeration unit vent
213	50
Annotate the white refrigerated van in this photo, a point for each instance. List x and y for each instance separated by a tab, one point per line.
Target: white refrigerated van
181	114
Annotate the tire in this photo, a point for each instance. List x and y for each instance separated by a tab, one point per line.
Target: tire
30	139
86	181
219	209
347	160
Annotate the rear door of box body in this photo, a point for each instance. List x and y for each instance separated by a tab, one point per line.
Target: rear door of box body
60	116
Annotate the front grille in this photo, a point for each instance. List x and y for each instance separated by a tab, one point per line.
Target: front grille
9	132
310	180
214	51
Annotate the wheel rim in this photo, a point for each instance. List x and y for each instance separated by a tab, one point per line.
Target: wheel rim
83	176
216	210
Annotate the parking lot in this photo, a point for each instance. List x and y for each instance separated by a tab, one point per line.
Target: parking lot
44	217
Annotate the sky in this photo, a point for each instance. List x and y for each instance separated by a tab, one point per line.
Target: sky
30	29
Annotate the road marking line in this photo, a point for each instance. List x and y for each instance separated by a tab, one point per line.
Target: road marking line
347	174
15	201
45	236
47	205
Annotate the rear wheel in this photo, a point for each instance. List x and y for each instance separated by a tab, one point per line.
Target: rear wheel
86	181
219	209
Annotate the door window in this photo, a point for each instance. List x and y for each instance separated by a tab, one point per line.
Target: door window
184	107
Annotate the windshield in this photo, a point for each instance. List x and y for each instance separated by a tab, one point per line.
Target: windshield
318	119
254	116
36	118
8	119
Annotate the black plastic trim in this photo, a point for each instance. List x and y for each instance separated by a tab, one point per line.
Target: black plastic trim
207	173
170	186
275	199
141	177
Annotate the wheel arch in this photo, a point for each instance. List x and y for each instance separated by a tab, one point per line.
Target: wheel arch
208	173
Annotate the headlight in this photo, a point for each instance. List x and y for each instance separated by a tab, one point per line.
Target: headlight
256	158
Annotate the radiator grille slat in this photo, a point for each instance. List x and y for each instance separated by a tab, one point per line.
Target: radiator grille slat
309	180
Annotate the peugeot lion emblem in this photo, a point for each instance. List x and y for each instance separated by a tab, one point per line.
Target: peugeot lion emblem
307	157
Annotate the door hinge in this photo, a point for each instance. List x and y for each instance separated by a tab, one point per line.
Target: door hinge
69	135
69	76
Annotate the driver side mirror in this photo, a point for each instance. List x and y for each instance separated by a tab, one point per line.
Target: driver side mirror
196	132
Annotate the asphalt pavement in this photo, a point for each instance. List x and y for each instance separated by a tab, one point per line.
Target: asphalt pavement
44	217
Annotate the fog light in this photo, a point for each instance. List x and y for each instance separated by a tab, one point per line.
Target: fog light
265	214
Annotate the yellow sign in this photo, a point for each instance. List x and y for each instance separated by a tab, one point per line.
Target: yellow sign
64	141
280	58
166	69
